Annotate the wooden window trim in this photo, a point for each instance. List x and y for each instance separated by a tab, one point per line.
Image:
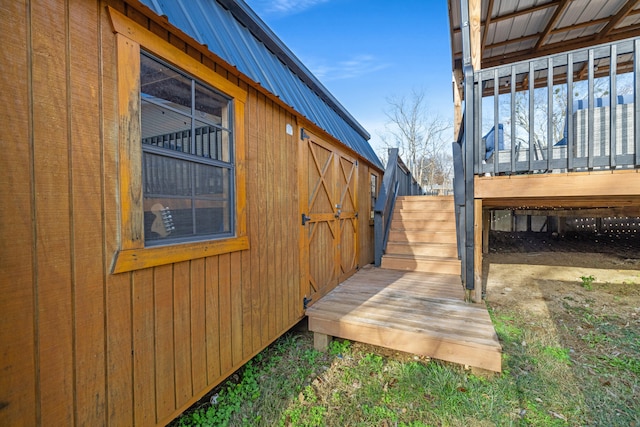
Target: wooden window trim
133	255
377	192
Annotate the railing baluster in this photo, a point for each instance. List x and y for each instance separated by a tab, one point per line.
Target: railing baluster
513	122
532	136
591	114
496	123
481	148
636	100
613	105
550	141
569	118
477	101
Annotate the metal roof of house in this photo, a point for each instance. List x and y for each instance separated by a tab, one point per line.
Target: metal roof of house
232	30
517	30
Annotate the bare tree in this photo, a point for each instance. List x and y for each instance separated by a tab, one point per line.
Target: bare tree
421	138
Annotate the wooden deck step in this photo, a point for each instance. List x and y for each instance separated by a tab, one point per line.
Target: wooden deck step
446	250
421	263
423	236
422	224
424	204
420	313
439	215
418	236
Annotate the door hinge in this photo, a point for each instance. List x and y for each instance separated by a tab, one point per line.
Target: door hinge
356	214
305	219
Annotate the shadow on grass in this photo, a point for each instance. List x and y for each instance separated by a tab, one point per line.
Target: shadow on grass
572	344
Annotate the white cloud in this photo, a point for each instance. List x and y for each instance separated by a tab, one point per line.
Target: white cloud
346	69
283	7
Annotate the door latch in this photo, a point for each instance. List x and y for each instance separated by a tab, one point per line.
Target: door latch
305	219
305	302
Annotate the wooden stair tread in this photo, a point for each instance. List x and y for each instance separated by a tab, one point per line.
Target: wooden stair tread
444	250
434	226
422	236
425	233
422	208
447	266
447	236
421	257
435	244
410	215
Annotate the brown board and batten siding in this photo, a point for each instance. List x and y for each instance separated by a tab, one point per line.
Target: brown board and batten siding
365	224
82	345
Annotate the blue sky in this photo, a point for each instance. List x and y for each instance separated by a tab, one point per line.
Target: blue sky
365	51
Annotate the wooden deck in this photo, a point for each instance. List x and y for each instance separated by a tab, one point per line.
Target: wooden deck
415	312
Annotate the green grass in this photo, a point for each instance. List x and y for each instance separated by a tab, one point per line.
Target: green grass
583	370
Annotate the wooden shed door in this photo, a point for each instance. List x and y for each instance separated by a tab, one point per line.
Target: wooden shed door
329	212
348	220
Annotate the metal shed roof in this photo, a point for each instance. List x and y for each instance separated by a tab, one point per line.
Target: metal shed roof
232	30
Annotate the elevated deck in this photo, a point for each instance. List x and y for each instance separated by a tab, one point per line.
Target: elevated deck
620	187
415	312
602	193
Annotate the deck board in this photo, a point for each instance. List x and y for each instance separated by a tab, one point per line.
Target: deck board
415	312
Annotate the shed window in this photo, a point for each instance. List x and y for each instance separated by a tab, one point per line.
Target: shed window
374	193
187	156
181	154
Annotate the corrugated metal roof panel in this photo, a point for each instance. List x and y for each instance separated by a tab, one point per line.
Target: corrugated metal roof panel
630	20
517	29
263	60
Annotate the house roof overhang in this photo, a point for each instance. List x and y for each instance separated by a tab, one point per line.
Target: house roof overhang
518	30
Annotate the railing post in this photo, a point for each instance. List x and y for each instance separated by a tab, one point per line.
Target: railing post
458	193
470	136
378	236
469	158
569	117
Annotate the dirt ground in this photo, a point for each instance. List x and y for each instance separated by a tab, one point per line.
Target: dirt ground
539	273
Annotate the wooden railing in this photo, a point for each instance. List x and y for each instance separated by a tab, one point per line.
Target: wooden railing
572	111
397	181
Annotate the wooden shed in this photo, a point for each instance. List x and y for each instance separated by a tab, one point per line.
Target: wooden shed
176	187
